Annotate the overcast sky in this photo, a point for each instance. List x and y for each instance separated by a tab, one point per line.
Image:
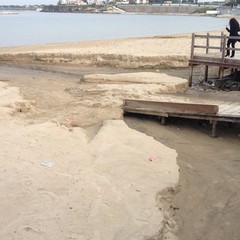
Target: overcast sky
27	2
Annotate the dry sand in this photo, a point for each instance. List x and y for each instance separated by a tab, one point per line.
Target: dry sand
105	180
133	53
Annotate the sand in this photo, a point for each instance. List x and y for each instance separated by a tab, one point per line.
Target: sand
73	168
56	184
61	181
133	53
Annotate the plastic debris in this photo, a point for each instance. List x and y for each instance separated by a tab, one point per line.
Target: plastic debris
209	83
47	164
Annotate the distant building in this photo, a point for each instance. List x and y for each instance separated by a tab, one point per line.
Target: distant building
142	1
63	1
76	2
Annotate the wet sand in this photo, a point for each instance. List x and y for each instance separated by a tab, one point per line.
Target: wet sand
206	205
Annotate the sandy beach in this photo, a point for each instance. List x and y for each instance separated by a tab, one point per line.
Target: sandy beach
74	167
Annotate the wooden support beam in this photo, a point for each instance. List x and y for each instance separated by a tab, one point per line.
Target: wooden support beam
163	120
224	47
214	129
206	73
190	76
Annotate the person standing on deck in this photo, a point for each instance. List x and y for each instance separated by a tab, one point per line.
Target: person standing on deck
233	32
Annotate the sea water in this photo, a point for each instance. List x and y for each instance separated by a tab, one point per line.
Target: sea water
28	28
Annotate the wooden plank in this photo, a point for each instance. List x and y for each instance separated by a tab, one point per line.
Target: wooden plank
233	108
146	112
223	118
215	58
184	110
170	107
230	113
204	36
215	63
207	47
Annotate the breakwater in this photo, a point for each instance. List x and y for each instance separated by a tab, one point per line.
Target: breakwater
160	9
151	9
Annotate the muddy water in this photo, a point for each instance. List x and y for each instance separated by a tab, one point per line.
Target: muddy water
207	205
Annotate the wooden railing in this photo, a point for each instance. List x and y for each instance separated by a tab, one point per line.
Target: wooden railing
207	46
211	52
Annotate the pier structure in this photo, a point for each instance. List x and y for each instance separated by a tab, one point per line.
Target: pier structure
209	51
213	53
216	112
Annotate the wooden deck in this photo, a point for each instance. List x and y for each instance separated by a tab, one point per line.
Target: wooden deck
212	53
215	61
227	112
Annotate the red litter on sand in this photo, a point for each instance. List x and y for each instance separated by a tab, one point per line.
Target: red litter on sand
152	158
69	119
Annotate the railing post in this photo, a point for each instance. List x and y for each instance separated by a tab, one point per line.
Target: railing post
192	47
207	43
224	47
221	69
207	50
214	129
190	75
206	73
191	58
221	42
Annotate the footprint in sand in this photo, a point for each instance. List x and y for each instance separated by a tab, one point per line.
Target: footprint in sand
48	195
29	233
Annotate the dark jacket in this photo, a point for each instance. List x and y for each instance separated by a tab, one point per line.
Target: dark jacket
233	32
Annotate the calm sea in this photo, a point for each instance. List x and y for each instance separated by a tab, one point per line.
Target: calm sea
28	28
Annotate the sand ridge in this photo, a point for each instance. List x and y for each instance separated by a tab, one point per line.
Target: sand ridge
149	52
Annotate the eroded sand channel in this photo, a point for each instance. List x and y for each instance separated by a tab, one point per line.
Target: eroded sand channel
207	206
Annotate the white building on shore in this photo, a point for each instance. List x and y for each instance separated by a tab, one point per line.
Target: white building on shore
142	1
76	2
